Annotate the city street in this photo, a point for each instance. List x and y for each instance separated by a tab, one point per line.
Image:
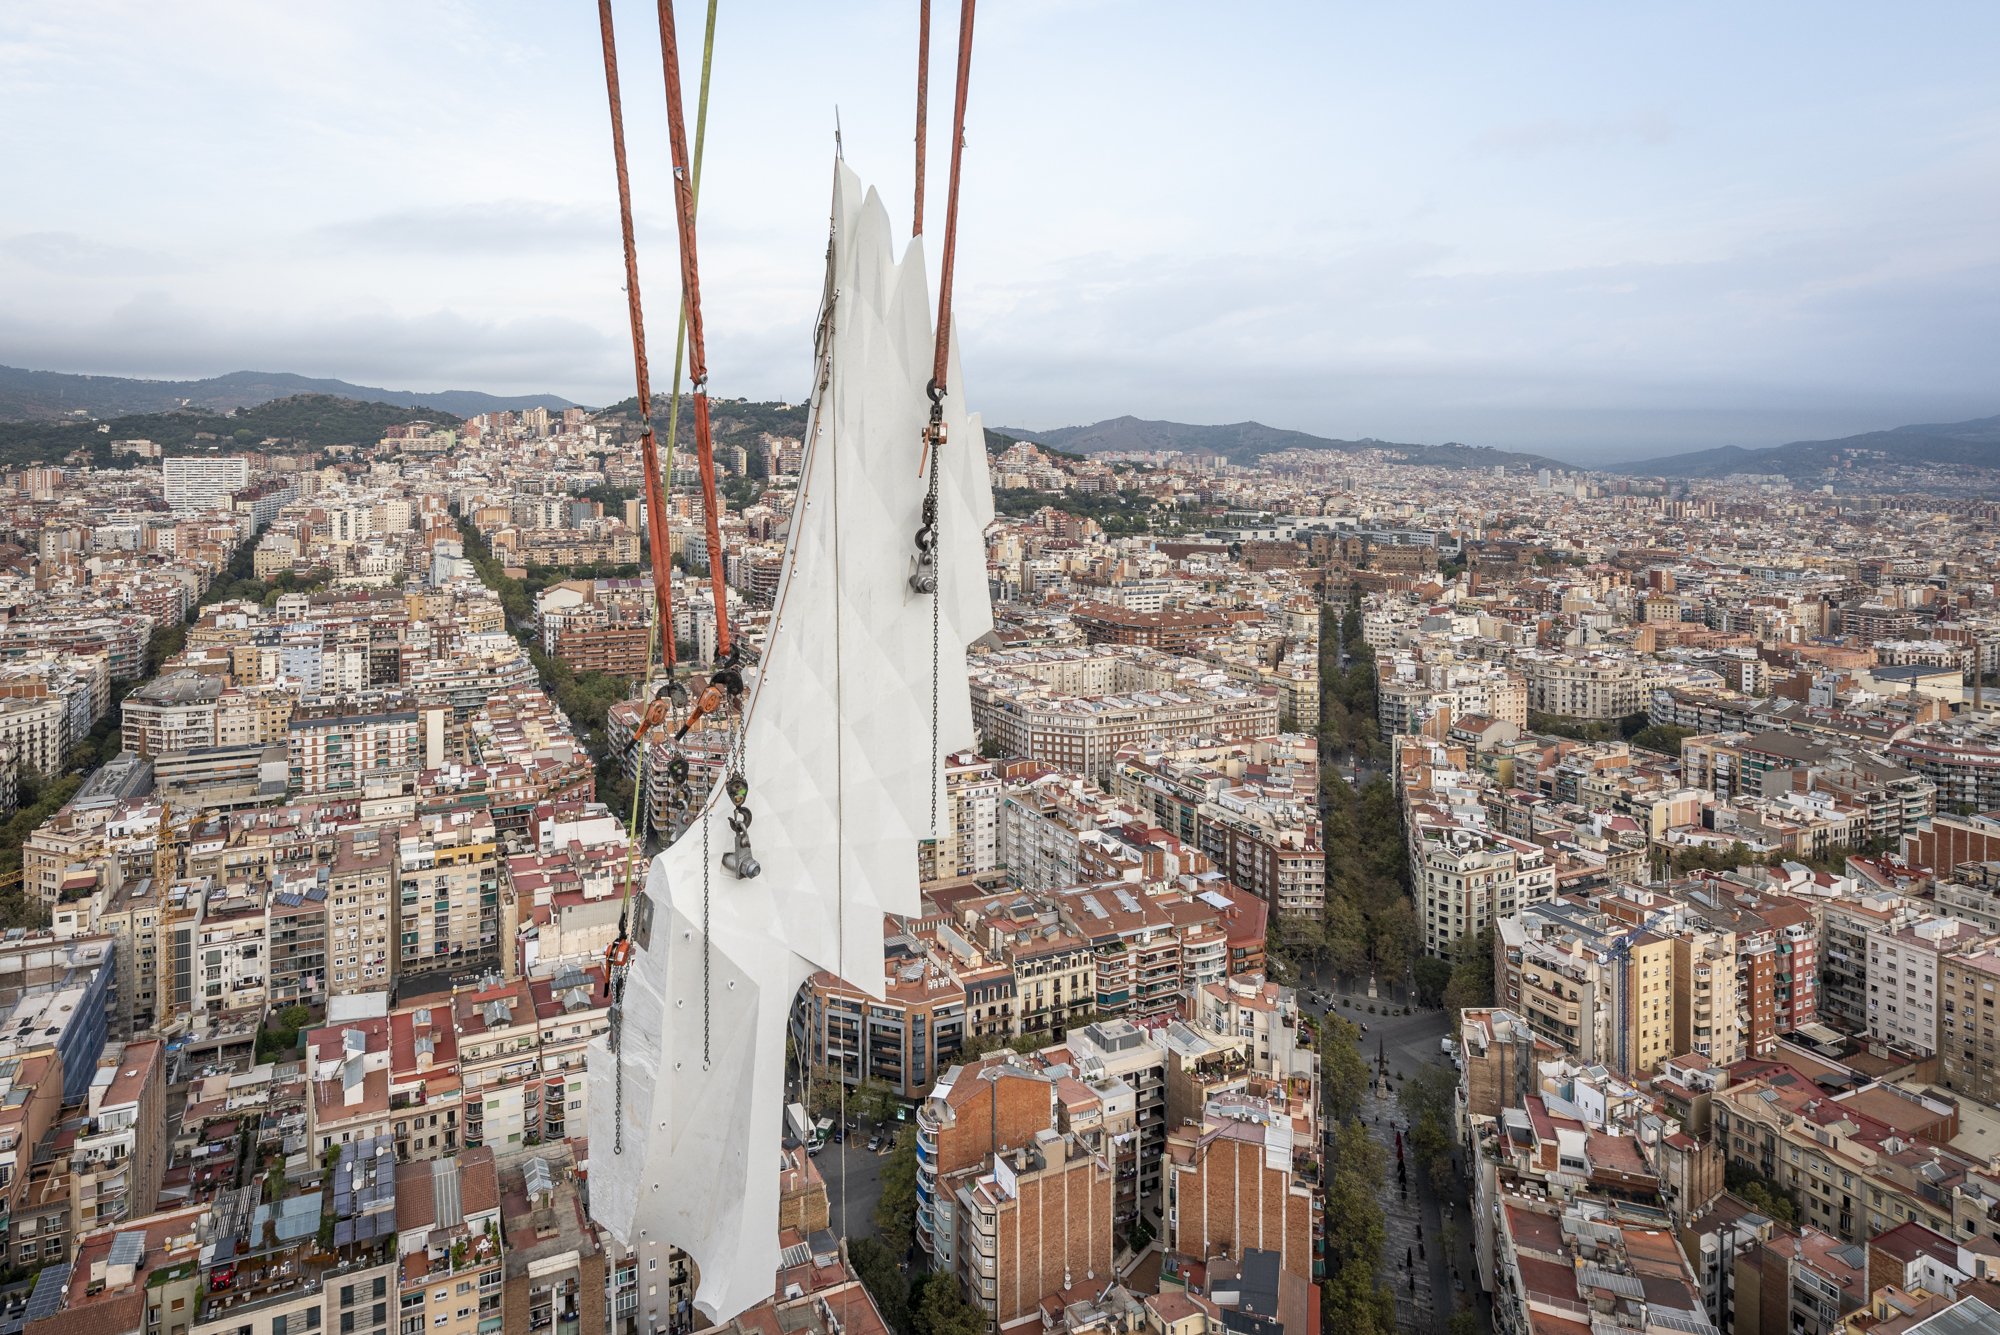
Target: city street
853	1184
1414	1222
1406	1041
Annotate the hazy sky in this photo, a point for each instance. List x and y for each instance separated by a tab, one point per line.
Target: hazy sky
1595	230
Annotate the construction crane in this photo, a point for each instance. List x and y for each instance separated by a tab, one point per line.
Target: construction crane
166	870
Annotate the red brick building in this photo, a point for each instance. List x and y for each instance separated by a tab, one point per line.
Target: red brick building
1231	1188
1173	632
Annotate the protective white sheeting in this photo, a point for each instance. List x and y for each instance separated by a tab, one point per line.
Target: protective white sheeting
842	773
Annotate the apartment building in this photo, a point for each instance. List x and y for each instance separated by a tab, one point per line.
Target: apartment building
197	483
1968	994
37	732
969	842
1903	977
972	1113
449	1273
1114	1055
1708	1019
172	712
360	924
1858	1163
1172	632
1082	734
351	746
1231	1185
296	918
30	1101
119	1155
1846	925
521	1045
1413	690
1030	1223
448	891
554	1263
1466	877
903	1040
229	966
1251	807
1587	687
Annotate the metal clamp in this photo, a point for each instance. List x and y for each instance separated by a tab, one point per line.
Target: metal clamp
923	566
740	859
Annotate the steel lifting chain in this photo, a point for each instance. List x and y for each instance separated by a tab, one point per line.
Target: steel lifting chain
706	952
924	565
728	679
618	1069
930	516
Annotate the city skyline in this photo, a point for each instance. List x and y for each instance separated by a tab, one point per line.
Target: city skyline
1419	829
1606	237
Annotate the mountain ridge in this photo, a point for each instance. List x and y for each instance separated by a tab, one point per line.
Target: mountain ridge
1974	443
1241	442
27	395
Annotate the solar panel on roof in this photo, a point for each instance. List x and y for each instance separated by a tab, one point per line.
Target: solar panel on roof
538	1177
1125	900
50	1286
128	1249
1691	1322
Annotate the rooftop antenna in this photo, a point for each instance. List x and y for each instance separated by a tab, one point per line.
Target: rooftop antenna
838	152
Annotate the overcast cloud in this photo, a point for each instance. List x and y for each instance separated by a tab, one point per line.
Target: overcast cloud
1595	231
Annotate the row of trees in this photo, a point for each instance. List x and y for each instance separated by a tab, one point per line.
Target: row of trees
1369	925
1427	1099
929	1304
1353	1298
1626	729
248	588
1118	512
1348	723
1466	979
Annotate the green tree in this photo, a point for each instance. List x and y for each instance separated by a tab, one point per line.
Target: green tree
873	1100
1433	976
875	1266
1433	1089
943	1310
1392	937
1428	1100
1354	1302
1761	1193
1346	937
896	1211
1471	972
1343	1071
1353	1299
1664	738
